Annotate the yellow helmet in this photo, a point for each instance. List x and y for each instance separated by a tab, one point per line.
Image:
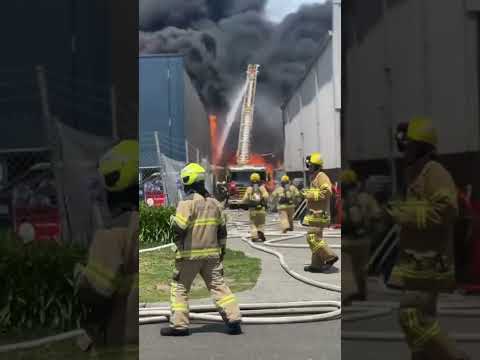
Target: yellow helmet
119	166
255	177
192	173
421	129
348	177
316	159
285	179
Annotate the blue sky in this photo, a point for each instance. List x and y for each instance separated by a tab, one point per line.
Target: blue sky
277	9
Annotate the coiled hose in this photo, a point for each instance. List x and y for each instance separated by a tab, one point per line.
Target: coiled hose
312	311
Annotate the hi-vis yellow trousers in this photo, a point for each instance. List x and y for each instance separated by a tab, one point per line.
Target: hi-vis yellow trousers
211	270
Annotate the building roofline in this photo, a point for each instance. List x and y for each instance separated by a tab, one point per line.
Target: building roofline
24	150
326	40
161	55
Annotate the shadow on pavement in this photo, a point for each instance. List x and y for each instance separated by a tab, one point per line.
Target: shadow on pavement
332	270
209	328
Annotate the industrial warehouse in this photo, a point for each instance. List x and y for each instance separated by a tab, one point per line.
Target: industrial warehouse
420	61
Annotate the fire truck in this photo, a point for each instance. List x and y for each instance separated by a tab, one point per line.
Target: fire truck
35	213
238	174
152	190
238	179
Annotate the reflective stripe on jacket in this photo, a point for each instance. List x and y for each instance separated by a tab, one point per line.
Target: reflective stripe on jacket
292	194
200	219
427	219
318	196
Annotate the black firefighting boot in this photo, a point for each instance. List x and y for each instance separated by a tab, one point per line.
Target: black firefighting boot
169	331
234	328
261	235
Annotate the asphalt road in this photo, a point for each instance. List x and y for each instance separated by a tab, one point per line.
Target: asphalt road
314	341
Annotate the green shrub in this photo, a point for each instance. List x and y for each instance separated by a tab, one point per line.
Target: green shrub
37	287
155	225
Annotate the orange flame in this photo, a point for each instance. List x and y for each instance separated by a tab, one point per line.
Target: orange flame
259	160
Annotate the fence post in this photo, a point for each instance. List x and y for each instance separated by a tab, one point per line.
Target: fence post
113	104
157	147
186	152
198	156
55	149
42	86
163	170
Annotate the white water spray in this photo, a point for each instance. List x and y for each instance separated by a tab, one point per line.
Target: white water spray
231	116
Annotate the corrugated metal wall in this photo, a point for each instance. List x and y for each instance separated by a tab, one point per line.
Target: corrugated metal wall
161	102
431	50
170	105
43	33
124	47
312	123
91	69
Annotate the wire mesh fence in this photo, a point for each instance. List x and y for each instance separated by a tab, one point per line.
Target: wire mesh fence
55	124
166	156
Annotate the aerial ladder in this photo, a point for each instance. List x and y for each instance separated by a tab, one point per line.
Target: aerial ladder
246	120
239	173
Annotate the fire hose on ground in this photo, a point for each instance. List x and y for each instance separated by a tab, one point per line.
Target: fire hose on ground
328	310
25	345
370	310
293	312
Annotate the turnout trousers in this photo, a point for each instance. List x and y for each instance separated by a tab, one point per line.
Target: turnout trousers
211	271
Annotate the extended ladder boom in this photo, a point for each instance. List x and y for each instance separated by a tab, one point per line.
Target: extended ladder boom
246	121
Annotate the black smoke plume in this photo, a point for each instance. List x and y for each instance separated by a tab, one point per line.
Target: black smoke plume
219	38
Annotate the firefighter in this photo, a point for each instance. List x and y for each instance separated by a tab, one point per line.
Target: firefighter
256	198
425	265
201	235
318	202
287	196
361	213
109	281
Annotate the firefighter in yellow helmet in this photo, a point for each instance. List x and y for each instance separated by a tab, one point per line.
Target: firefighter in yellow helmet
360	214
318	203
287	196
256	197
425	265
201	236
108	283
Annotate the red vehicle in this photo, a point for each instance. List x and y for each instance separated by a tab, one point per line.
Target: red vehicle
153	192
35	212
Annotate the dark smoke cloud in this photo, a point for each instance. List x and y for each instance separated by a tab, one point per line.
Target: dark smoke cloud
157	14
220	37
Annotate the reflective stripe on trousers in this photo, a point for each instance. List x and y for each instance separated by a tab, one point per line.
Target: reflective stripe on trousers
198	253
211	270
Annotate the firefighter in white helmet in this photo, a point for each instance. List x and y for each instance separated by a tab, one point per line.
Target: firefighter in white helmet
256	198
425	265
108	283
201	235
287	196
318	202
